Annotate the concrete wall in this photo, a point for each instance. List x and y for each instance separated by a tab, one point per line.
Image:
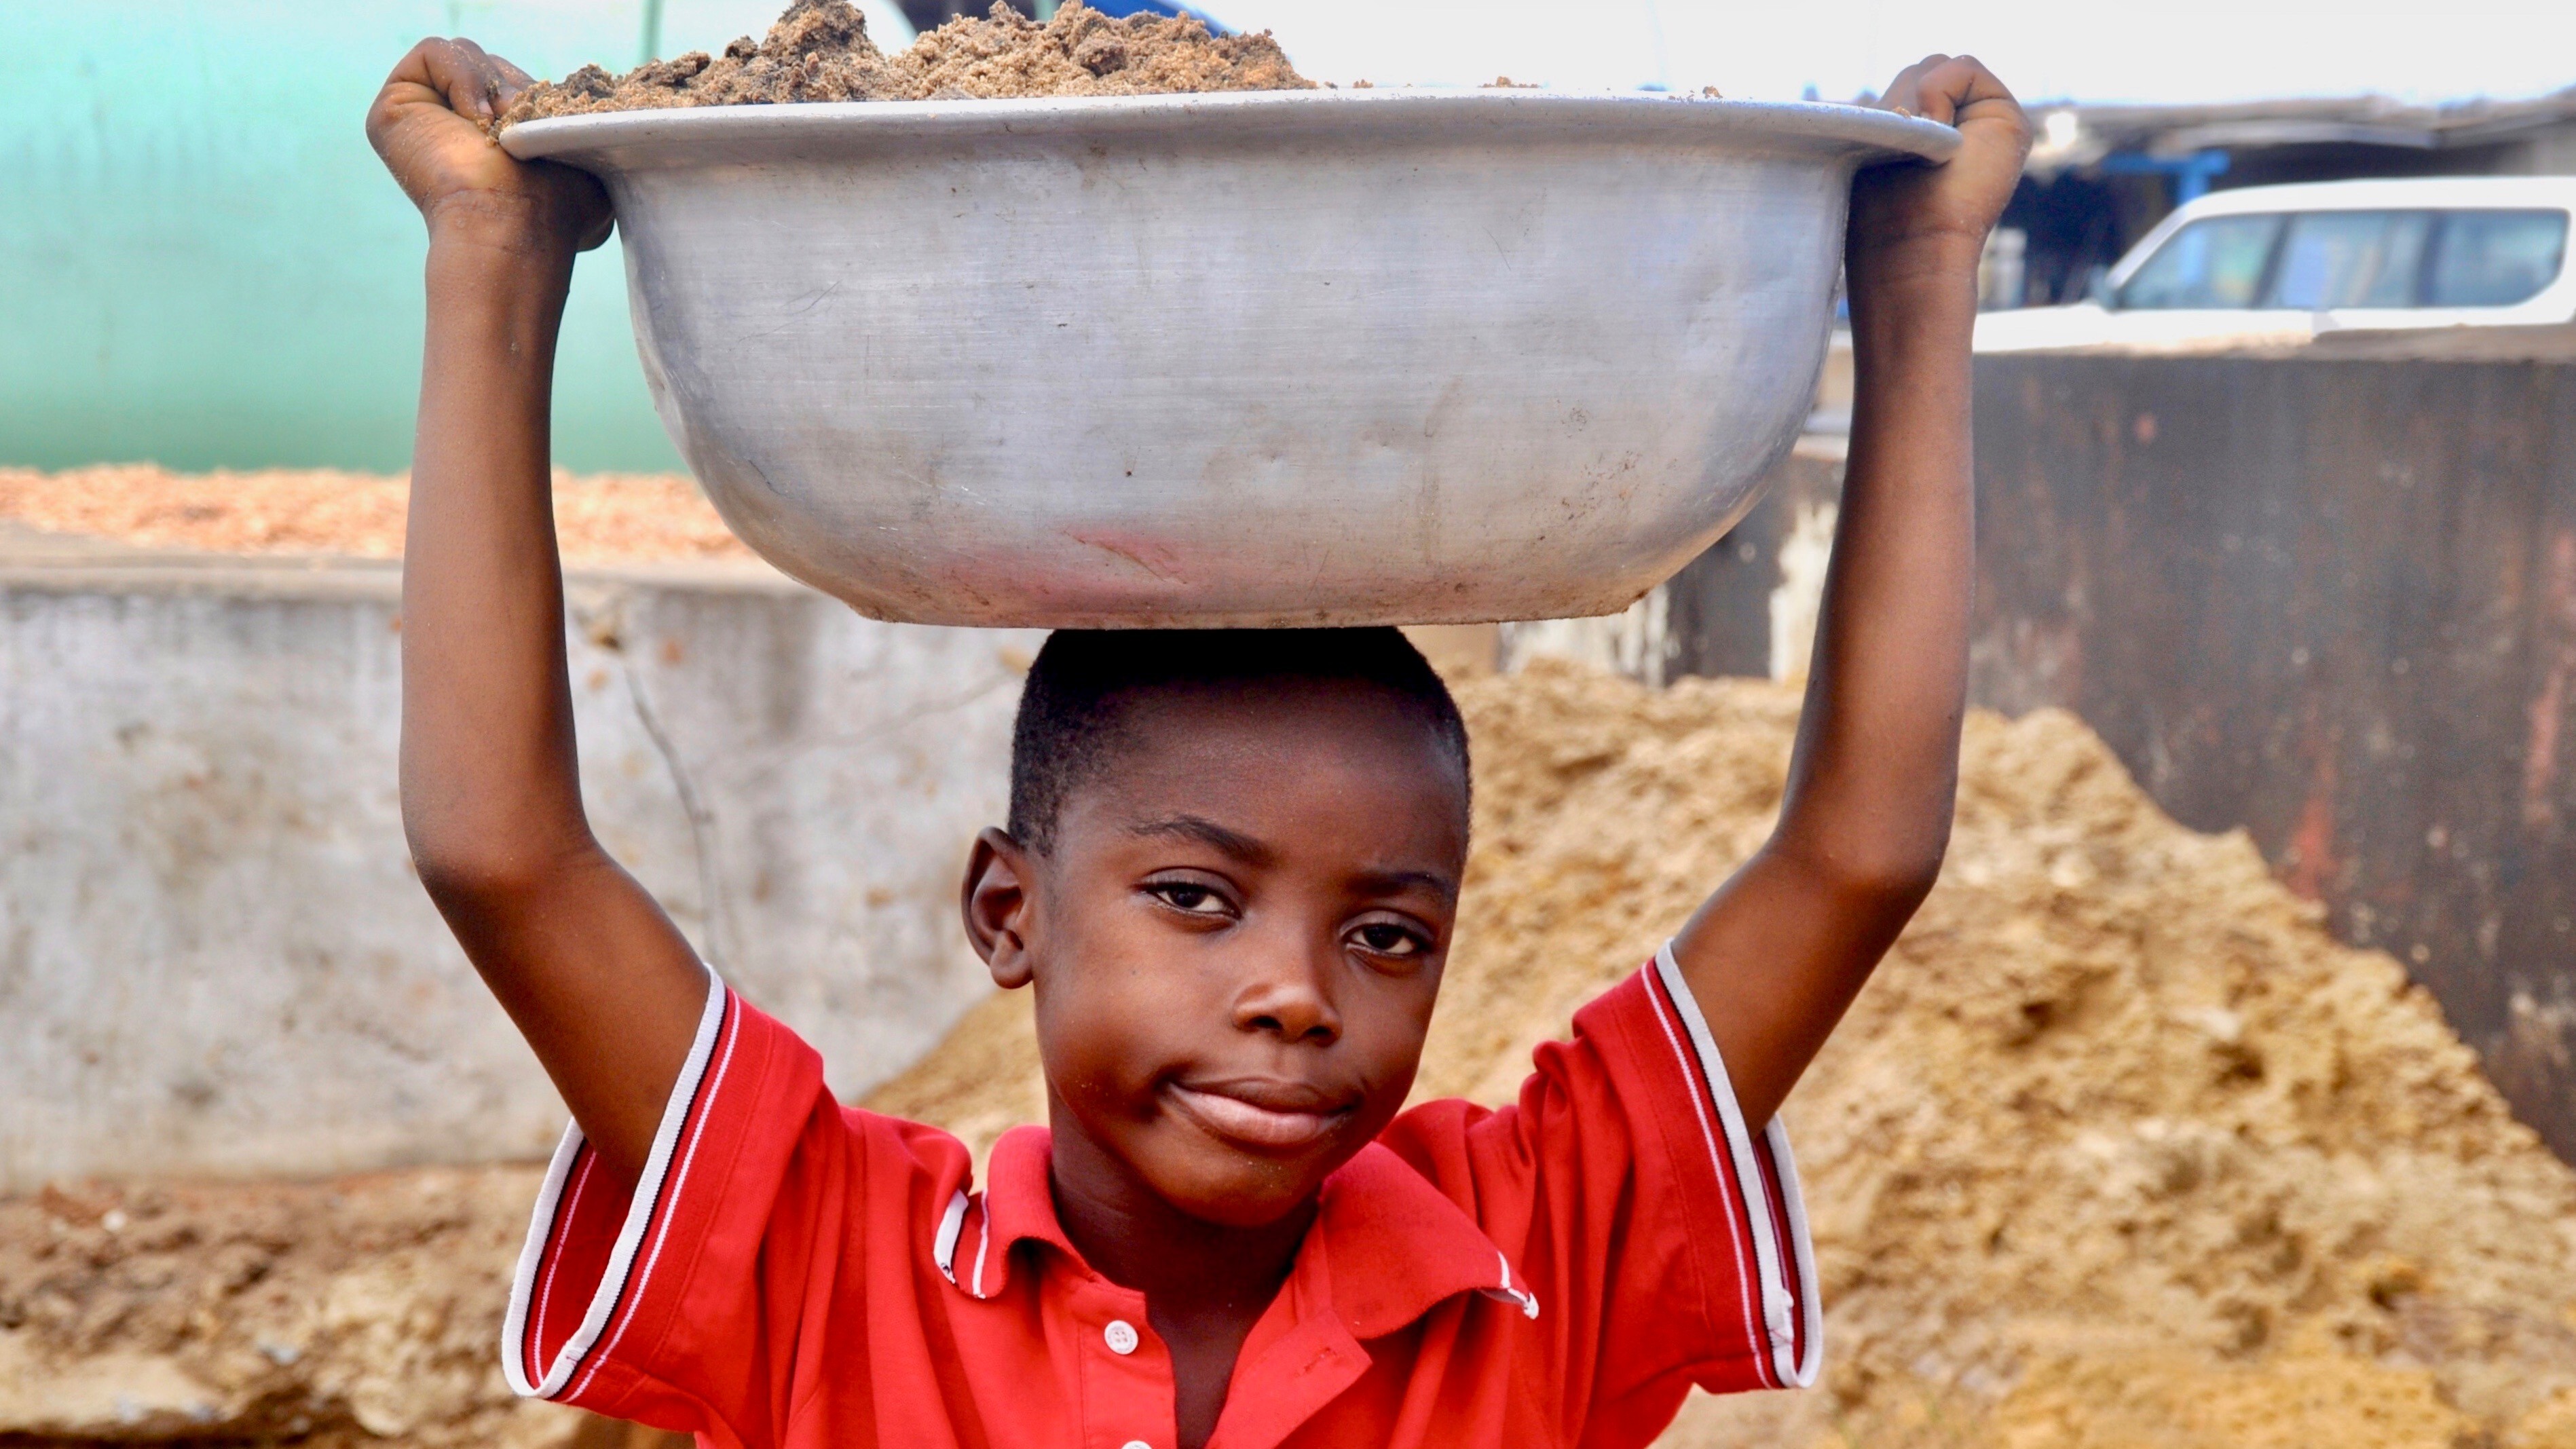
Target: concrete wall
214	957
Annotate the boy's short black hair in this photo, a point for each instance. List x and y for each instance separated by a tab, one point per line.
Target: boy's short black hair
1069	723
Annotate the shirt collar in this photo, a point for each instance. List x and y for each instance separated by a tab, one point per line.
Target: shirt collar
1019	1205
1399	1247
1391	1246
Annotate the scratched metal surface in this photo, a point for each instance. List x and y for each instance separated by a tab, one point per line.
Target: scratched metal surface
2332	601
1300	357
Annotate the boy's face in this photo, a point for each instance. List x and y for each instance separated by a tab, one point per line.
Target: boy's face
1236	941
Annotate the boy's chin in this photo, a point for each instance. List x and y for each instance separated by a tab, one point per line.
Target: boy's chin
1237	1189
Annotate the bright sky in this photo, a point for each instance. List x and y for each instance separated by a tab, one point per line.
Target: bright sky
2164	50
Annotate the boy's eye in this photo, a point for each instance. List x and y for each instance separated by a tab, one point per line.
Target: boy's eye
1183	895
1385	939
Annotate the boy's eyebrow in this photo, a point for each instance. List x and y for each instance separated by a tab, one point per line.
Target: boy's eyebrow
1234	843
1394	882
1250	851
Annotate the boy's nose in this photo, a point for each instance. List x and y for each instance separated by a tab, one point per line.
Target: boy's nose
1292	997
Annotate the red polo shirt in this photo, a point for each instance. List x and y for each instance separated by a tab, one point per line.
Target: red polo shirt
793	1272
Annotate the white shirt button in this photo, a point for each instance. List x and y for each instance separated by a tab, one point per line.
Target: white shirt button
1122	1341
1135	1444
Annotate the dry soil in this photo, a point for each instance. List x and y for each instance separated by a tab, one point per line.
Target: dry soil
328	1315
599	518
820	51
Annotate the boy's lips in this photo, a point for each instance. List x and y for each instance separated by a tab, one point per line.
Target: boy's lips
1260	1114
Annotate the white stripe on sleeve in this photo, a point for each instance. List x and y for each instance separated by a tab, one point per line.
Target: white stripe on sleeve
1756	1165
543	1224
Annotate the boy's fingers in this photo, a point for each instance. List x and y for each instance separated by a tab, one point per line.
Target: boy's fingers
505	81
514	82
1910	91
421	78
1958	91
511	75
488	67
1962	84
1978	99
1899	95
502	82
457	74
411	74
1932	77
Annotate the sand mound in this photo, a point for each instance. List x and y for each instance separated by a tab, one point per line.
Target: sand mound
2119	1149
600	518
325	1314
820	51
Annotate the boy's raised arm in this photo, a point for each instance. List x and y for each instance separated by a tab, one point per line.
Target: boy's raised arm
599	981
1778	953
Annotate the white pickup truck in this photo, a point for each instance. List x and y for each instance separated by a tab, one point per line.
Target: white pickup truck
2284	263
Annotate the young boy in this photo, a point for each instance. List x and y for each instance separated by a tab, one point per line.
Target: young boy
1230	873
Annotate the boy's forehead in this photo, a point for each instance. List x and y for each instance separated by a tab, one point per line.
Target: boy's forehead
1309	723
1220	753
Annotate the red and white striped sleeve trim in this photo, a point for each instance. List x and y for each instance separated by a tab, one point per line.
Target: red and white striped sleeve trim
536	1310
1761	1183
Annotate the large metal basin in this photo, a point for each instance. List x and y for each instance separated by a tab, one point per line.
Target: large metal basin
1273	358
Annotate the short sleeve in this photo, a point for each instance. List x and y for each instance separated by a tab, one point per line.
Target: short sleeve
683	1304
1664	1240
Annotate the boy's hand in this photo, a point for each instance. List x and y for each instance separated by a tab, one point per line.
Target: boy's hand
428	124
1953	204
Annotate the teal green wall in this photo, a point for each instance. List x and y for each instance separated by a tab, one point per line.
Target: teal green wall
203	265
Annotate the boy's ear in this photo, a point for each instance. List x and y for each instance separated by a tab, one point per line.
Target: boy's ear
998	900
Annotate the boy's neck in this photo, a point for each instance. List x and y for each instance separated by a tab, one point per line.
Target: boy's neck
1185	1266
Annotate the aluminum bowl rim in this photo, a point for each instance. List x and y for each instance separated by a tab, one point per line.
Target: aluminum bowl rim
674	132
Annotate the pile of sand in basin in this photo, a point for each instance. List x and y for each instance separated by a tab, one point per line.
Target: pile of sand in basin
820	51
599	518
2119	1151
